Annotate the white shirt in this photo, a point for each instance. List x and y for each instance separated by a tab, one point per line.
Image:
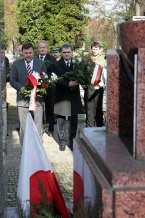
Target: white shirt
42	58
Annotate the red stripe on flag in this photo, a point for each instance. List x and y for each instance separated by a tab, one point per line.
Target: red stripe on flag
98	75
35	166
78	192
51	188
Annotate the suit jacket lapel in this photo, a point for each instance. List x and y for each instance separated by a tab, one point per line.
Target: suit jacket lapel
23	64
63	64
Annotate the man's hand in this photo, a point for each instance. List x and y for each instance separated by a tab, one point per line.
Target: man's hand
73	83
96	87
22	89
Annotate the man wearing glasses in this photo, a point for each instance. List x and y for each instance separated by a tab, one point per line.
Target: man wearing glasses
67	100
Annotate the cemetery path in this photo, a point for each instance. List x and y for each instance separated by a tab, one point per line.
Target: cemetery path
62	161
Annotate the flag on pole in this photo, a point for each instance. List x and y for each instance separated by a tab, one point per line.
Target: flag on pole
96	75
35	167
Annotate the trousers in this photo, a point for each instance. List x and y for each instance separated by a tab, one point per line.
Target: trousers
67	132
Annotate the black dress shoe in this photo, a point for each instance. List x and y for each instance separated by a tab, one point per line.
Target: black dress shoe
62	147
18	128
50	134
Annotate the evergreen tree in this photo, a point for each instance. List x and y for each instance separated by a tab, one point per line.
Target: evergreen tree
1	20
11	33
56	21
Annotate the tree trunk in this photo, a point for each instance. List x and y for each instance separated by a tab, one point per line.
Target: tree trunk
137	9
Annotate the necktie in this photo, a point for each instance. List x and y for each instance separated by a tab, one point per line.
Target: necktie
41	58
1	66
67	65
29	70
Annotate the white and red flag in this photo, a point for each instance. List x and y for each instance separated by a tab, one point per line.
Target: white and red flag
32	105
96	75
35	167
84	182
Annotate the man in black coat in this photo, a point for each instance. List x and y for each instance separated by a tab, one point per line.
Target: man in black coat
4	64
67	99
50	96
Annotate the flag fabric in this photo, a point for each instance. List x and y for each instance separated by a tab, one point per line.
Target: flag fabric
84	182
35	167
34	81
96	75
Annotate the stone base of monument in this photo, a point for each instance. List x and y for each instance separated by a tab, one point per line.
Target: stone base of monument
119	178
109	163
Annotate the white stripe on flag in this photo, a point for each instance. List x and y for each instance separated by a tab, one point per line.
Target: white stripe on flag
96	74
84	182
34	164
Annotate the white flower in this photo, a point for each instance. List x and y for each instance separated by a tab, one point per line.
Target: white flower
45	75
53	76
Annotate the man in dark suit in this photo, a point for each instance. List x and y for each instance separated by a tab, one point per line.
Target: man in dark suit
67	99
50	96
4	64
18	79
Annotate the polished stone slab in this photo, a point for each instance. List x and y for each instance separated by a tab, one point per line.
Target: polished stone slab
113	158
119	177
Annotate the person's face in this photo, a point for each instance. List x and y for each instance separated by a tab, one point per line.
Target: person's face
20	50
42	48
96	50
56	54
2	54
28	54
67	53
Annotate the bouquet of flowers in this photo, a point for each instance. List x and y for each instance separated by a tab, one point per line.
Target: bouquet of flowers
83	67
43	82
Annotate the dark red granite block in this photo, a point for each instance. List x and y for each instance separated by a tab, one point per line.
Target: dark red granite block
140	106
129	203
111	155
107	203
119	177
131	37
120	95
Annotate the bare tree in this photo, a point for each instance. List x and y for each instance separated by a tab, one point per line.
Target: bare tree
103	26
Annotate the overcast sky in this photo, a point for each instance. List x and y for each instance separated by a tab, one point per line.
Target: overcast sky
107	4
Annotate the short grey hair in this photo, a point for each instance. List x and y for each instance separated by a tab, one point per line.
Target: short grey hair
66	46
42	41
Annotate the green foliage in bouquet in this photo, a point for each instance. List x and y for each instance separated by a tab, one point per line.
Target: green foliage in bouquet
43	83
83	67
48	64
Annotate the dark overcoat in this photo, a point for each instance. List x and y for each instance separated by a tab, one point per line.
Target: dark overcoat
67	99
50	69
